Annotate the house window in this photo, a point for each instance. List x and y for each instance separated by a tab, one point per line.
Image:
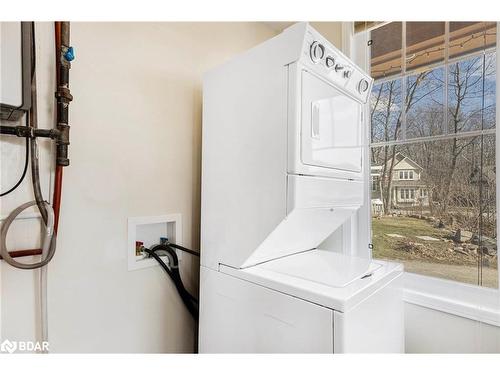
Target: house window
406	193
406	175
433	105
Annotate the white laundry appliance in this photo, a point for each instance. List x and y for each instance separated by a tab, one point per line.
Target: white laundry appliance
284	141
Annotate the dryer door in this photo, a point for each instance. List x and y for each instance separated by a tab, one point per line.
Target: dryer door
331	126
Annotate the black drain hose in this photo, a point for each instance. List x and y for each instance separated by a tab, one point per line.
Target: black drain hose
172	270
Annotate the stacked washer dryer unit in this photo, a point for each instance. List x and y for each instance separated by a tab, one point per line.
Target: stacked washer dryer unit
282	169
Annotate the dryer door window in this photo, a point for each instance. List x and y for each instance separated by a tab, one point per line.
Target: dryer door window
331	126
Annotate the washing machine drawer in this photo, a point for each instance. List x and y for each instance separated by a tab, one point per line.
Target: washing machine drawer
331	129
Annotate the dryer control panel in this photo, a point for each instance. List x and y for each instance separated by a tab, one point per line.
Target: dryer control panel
327	61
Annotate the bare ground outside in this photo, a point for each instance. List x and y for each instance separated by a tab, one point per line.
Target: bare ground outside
431	251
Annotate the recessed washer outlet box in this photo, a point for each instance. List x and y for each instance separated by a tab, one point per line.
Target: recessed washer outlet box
149	230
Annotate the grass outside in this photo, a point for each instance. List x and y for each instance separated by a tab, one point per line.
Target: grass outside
432	258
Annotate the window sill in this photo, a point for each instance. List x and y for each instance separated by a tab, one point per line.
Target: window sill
468	301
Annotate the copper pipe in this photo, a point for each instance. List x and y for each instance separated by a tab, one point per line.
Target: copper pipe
56	201
57	36
24	253
62	117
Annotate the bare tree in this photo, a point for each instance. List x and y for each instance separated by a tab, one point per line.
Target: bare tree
464	81
424	111
383	116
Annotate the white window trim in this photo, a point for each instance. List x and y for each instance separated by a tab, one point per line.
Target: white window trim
470	301
466	300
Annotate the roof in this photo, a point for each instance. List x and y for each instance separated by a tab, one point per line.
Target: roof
399	157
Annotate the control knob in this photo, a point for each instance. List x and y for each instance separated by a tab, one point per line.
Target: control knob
363	86
317	51
329	61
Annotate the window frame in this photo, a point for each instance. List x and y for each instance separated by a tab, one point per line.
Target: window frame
470	301
445	133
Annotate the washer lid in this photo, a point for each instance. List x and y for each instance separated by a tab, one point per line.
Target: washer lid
323	277
322	267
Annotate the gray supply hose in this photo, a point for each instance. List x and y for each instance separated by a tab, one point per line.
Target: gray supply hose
35	170
48	250
48	241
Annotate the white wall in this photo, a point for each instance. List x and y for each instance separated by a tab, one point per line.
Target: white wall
432	331
135	150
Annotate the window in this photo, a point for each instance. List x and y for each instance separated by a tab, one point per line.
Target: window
433	109
407	194
406	175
